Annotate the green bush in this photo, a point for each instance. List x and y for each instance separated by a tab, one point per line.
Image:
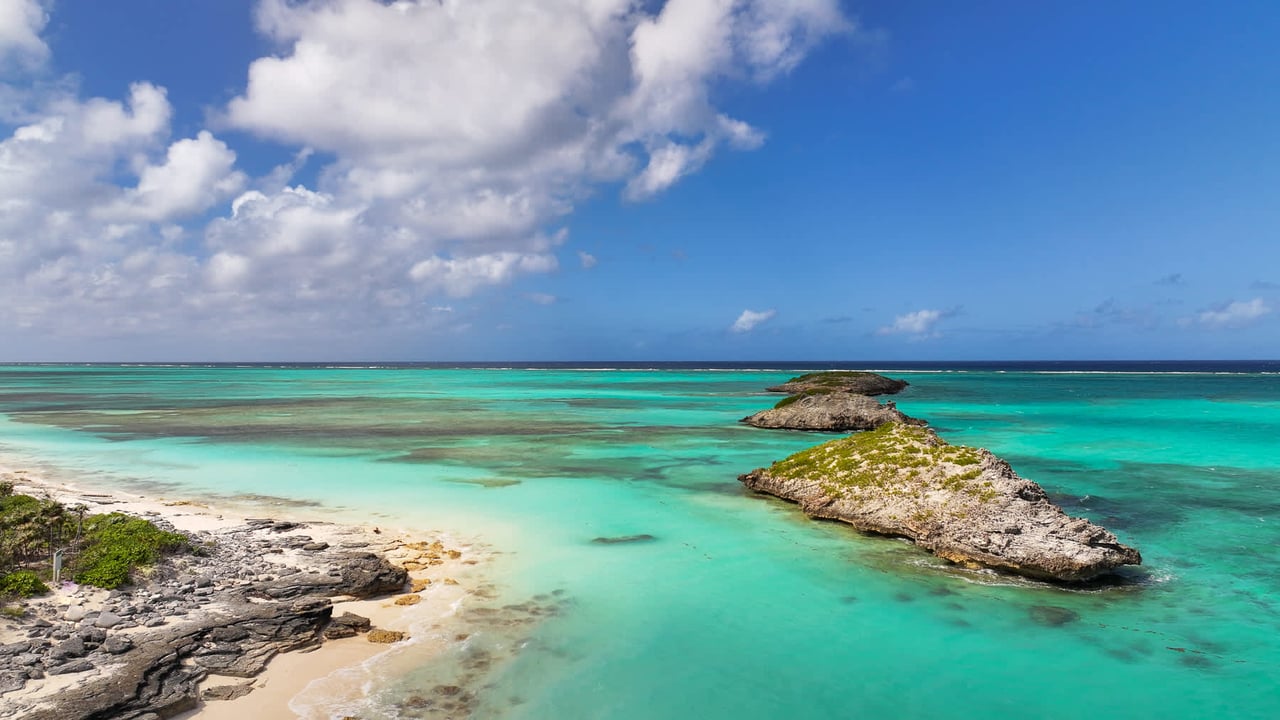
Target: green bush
116	544
22	583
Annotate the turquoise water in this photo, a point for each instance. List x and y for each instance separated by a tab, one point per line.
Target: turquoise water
741	608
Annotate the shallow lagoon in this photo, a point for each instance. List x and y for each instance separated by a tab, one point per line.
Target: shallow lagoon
740	608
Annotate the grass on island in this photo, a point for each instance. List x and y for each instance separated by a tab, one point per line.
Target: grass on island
101	550
894	457
792	398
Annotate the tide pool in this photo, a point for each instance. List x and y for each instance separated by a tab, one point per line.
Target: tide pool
739	607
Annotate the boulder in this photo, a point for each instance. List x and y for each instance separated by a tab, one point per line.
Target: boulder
107	619
378	635
963	504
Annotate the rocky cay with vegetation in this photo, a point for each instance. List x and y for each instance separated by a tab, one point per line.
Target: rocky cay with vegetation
960	503
838	401
152	612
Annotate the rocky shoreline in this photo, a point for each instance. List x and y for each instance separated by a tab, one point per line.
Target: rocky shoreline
249	592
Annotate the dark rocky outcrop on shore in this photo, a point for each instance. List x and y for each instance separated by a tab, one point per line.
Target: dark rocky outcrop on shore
856	382
840	412
963	504
226	611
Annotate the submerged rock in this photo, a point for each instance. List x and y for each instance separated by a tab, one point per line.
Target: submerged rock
963	504
841	412
856	382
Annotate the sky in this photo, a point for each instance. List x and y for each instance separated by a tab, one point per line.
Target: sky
484	180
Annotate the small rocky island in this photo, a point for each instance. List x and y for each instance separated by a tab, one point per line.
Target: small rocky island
837	401
849	381
960	503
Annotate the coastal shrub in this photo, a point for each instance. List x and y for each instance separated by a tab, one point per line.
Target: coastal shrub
22	583
117	544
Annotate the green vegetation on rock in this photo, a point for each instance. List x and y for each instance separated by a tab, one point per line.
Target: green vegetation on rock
117	544
792	398
895	457
100	550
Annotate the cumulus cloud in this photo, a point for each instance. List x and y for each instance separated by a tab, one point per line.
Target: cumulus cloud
21	22
1233	314
197	172
920	323
79	252
456	139
1171	280
587	259
751	319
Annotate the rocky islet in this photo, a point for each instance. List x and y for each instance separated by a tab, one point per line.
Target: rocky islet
838	401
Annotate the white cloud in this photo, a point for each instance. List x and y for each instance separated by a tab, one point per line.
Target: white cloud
750	319
197	173
542	298
457	136
1233	314
920	322
587	259
21	22
460	277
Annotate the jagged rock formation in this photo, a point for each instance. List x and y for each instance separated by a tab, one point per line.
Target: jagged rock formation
229	612
840	411
856	382
963	504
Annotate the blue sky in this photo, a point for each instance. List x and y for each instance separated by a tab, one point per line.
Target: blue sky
609	179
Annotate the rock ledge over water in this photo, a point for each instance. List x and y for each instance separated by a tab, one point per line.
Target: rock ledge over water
963	504
848	381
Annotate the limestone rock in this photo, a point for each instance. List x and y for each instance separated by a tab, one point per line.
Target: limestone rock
359	623
378	635
107	619
226	692
839	411
962	504
858	383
